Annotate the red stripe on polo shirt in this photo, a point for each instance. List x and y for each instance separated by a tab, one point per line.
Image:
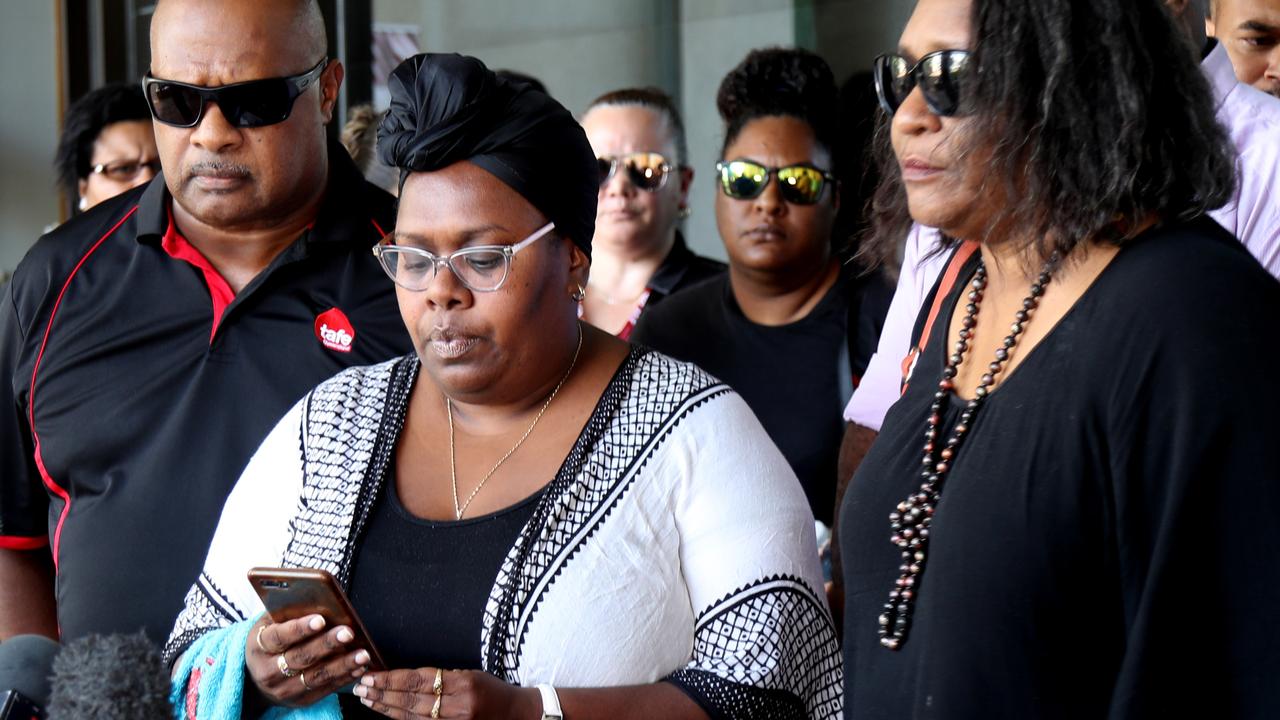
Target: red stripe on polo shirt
15	542
31	396
219	289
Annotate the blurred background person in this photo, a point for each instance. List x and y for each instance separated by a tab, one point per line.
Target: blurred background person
360	138
1080	463
1250	31
639	254
790	326
107	145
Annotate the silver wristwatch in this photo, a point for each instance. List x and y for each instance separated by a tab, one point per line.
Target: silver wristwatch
550	703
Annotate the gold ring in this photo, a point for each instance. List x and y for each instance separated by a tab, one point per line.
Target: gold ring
435	709
302	678
258	637
437	687
283	664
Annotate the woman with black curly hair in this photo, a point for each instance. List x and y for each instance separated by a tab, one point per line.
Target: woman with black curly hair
107	145
1070	513
789	327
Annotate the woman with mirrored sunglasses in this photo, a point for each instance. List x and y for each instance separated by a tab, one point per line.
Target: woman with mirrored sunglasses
532	517
639	255
106	146
789	327
1063	516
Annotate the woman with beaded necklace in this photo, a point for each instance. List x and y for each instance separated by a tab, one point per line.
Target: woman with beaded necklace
1071	510
532	518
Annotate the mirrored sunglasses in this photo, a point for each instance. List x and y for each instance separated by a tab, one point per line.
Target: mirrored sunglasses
798	184
646	170
250	104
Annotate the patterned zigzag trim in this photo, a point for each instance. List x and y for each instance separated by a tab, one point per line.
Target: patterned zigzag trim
742	644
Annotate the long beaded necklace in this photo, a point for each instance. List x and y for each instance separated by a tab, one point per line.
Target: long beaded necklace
459	509
910	522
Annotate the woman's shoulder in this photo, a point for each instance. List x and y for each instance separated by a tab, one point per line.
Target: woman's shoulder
1185	269
656	372
359	382
663	385
690	312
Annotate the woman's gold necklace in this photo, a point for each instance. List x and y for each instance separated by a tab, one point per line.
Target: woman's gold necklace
458	510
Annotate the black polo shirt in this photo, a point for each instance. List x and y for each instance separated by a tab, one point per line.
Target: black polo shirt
137	386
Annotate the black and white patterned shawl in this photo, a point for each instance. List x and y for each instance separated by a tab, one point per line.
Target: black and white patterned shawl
674	543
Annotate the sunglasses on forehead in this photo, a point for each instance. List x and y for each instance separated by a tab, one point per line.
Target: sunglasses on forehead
798	184
250	104
646	170
940	75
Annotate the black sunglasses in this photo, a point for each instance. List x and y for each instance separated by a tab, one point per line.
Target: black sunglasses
941	76
798	184
250	104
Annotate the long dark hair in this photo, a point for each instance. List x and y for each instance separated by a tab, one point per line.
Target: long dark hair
1094	110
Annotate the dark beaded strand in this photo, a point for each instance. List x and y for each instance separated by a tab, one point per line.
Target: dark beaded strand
910	523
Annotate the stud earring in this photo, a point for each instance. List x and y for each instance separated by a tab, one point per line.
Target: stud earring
685	212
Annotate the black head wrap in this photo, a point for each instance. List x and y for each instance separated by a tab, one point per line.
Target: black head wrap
449	108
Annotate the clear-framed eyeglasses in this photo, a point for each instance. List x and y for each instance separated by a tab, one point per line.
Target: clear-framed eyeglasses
482	268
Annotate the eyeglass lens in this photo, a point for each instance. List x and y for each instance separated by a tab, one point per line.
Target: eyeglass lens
127	170
480	269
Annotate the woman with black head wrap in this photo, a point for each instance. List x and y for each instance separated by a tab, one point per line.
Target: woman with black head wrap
525	497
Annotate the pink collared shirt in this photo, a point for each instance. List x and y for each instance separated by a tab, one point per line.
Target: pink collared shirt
1252	119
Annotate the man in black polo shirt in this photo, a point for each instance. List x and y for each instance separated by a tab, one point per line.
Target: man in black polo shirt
148	346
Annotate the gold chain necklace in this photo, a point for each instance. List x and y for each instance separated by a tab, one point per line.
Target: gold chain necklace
458	510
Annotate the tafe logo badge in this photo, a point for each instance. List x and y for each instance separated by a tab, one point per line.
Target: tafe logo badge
334	330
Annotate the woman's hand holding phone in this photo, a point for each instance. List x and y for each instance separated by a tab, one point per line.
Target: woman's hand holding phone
295	663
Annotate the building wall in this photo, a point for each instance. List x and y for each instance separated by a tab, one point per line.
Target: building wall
579	48
29	198
582	48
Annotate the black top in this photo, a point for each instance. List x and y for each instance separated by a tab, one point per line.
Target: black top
789	374
1106	543
420	586
681	268
153	386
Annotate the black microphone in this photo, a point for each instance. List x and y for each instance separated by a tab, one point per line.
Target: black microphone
25	664
110	677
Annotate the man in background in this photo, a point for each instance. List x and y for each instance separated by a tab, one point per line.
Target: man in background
148	345
1250	31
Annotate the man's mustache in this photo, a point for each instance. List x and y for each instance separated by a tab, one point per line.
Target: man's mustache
217	170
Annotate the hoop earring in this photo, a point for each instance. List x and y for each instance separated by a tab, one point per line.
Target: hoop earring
580	295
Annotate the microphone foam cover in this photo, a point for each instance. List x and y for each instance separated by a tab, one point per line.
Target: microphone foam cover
25	666
110	677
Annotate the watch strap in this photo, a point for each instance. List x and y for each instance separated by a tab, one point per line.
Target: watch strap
550	703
